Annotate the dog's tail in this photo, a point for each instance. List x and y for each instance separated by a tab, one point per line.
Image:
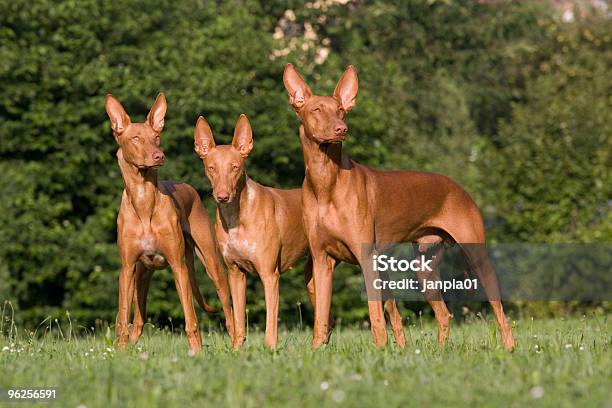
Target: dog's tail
198	295
195	289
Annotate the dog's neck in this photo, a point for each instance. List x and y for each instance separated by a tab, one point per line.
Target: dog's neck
140	187
232	214
323	164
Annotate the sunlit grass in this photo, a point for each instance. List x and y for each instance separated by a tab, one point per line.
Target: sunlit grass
557	363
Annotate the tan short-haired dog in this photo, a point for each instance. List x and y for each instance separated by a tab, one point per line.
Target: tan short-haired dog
347	204
160	223
259	229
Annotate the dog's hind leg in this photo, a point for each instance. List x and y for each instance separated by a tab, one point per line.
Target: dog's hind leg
435	249
190	261
470	236
396	323
142	279
480	263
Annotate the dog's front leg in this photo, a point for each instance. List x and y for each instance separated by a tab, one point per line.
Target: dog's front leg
378	324
322	270
237	283
173	248
270	283
126	295
183	287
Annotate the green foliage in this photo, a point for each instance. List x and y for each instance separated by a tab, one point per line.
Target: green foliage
556	183
501	97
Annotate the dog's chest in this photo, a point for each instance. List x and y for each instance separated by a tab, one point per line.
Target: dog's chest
328	222
146	226
333	231
239	247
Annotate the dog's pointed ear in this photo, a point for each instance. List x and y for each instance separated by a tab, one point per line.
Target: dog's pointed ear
298	90
157	113
243	136
346	89
118	117
203	142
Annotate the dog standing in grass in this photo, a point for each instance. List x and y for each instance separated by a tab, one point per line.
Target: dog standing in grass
347	205
259	229
160	224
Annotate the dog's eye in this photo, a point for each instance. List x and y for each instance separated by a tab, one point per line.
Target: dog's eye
235	167
316	109
211	169
136	139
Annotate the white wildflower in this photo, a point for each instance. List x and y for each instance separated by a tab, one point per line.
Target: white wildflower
536	392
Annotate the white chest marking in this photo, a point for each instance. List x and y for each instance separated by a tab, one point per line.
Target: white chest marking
146	244
140	193
238	247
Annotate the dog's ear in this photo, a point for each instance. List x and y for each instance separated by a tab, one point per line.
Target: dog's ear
243	136
117	115
157	113
298	91
204	142
346	89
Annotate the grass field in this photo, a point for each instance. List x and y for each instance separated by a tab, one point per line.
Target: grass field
558	363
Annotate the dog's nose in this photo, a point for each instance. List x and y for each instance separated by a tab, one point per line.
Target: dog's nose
158	157
223	196
341	130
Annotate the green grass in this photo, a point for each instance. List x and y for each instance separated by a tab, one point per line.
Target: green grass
569	360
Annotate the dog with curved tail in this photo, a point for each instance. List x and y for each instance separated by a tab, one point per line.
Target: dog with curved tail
160	224
347	204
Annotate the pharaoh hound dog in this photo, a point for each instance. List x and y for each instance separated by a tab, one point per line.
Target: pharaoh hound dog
259	229
346	205
160	224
